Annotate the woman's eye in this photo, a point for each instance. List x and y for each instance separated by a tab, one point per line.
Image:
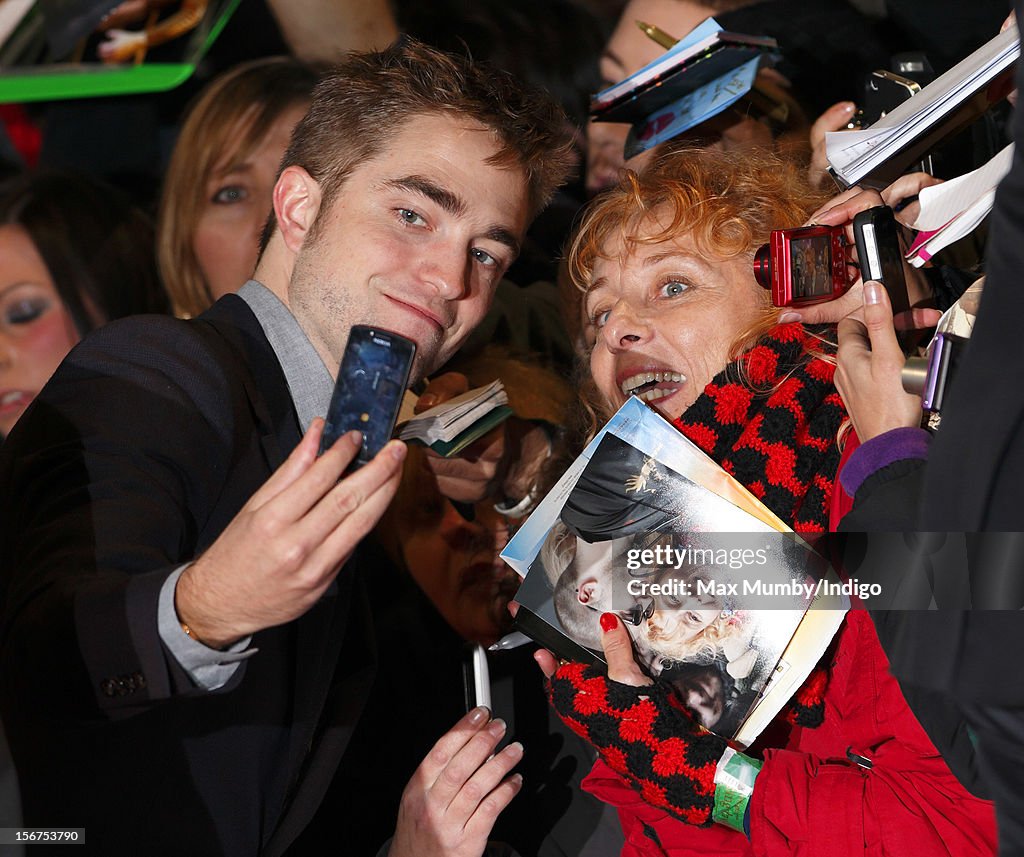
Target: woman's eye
600	317
674	288
483	257
230	195
24	312
411	217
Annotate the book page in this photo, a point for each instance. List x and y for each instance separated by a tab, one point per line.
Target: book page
700	37
849	151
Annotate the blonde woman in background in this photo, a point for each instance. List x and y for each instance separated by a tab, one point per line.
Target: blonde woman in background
217	190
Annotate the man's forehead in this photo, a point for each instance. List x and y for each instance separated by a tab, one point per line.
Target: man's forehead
455	155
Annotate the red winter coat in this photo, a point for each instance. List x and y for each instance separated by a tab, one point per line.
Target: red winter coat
811	800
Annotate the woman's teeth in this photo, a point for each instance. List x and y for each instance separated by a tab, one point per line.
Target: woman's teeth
643	385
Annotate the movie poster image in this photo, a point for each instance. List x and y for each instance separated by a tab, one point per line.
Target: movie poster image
710	594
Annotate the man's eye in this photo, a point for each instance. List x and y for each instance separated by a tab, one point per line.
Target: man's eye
483	257
25	311
411	217
674	288
230	195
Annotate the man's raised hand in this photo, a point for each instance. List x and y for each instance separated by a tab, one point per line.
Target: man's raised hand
285	546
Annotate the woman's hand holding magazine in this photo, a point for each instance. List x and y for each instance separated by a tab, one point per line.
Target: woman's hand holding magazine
643	732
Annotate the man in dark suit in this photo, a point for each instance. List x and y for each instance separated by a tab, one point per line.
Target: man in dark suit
183	653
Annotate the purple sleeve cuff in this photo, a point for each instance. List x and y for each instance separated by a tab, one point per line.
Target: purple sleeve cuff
868	458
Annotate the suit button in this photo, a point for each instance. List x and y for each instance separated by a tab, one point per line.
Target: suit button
109	687
140	680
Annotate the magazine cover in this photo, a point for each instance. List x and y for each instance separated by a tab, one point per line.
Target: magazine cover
712	590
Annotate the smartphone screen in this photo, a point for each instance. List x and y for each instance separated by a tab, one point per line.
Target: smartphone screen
372	380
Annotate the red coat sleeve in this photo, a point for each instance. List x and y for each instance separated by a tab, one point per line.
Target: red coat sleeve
810	799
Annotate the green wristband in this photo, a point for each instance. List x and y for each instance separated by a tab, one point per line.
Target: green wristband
734	784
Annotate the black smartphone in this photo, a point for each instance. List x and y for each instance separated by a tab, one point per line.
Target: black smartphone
880	255
803	266
372	380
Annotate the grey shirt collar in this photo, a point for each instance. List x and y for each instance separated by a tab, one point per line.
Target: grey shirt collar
309	381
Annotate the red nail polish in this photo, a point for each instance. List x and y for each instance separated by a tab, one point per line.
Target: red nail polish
608	622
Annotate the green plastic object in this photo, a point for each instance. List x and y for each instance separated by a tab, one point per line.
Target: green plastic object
61	81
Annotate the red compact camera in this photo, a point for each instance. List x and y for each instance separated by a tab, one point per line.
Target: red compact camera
803	266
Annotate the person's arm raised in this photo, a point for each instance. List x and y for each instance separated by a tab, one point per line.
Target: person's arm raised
285	546
323	31
869	374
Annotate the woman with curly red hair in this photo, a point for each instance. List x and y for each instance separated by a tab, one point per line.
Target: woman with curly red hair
673	314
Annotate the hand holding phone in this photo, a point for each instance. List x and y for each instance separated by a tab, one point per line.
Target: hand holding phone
880	255
372	380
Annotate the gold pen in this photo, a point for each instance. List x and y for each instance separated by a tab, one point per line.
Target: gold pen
657	34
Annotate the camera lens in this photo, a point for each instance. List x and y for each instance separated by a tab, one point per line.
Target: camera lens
763	266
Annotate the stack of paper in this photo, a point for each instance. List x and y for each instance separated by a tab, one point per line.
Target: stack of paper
879	154
453	425
953	209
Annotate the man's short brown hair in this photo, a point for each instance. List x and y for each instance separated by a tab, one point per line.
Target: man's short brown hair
361	103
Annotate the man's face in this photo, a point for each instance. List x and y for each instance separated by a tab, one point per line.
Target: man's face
415	242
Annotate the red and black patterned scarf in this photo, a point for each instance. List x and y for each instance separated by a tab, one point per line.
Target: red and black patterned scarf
781	443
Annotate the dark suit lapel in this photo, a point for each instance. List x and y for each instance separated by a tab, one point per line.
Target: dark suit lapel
326	706
341	666
265	383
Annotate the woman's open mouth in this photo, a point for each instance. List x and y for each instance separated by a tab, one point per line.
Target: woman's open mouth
651	386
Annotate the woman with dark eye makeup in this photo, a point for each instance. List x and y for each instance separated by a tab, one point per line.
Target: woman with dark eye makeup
217	190
73	255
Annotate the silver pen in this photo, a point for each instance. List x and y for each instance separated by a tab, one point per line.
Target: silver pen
510	641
